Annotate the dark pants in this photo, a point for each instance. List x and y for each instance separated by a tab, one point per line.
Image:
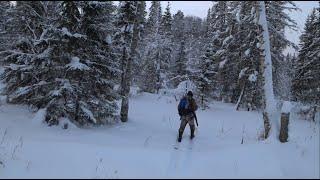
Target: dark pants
188	119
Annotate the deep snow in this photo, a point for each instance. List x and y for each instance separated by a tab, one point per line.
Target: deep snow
144	146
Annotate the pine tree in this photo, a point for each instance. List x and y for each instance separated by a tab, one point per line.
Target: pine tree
4	8
96	25
166	47
60	65
24	27
24	75
306	86
193	36
129	22
66	69
207	23
180	68
152	53
204	82
149	78
166	22
236	36
206	68
70	16
153	22
97	21
179	61
278	20
225	47
86	83
250	96
138	60
178	26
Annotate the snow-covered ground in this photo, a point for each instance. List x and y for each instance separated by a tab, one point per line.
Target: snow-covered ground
144	146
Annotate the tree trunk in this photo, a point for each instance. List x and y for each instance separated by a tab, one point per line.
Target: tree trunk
267	125
240	97
159	66
314	112
202	101
127	69
124	109
267	72
123	69
283	137
125	88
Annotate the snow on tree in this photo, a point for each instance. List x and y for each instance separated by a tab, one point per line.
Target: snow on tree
97	26
204	82
21	61
239	34
154	19
178	26
306	85
4	8
180	68
166	46
193	35
284	75
226	50
68	56
129	19
152	53
279	20
166	22
206	68
138	59
60	66
248	36
266	66
178	64
81	55
215	35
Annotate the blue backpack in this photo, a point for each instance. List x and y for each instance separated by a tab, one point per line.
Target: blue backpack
183	106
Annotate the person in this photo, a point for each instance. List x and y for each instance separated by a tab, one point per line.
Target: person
186	109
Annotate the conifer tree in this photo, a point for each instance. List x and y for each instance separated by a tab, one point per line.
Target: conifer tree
306	85
60	65
129	20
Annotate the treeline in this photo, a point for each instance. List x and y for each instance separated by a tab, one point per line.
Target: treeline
68	56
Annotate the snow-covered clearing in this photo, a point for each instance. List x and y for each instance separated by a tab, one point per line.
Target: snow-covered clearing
144	146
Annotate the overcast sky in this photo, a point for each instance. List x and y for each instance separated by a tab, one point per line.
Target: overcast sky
200	8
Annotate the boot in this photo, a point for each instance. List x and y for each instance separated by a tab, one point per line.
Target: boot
192	132
180	136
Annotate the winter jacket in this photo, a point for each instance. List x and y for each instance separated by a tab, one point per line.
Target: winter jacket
190	108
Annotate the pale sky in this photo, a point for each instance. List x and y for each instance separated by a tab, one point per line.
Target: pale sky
200	8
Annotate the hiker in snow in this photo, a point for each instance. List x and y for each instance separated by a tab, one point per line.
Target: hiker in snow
186	109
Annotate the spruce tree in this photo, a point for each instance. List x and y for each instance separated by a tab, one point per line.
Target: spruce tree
129	25
306	85
181	64
22	62
60	65
4	8
153	51
278	20
166	47
205	67
249	96
178	64
137	75
225	47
